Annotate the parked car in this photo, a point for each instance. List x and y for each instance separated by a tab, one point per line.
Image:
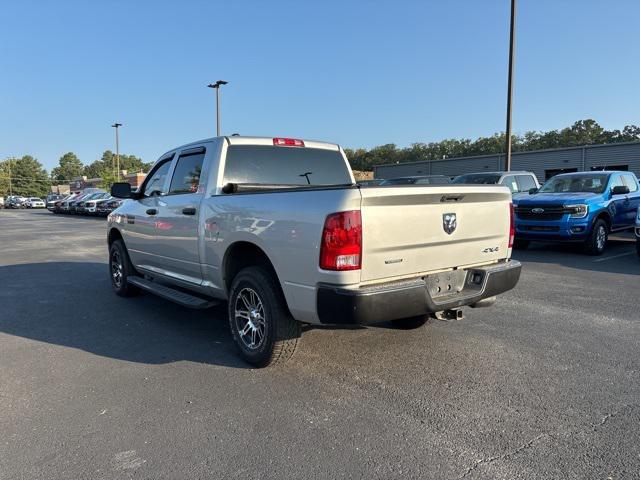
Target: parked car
34	202
637	231
108	206
15	201
88	201
583	207
417	180
51	200
517	181
71	204
64	204
370	183
278	227
91	206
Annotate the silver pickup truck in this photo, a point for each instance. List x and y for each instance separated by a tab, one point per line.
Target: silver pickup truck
278	228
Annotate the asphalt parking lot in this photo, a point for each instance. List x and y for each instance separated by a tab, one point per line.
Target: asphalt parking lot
546	384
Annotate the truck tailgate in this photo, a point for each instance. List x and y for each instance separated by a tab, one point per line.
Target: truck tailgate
404	231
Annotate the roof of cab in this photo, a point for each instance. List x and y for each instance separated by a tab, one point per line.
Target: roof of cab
250	140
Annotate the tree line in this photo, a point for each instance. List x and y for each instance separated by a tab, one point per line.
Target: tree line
582	132
27	177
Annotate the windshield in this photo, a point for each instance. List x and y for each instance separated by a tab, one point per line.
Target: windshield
478	178
269	165
576	183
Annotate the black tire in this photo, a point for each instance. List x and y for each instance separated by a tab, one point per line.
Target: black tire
280	331
118	255
410	323
598	237
520	244
638	247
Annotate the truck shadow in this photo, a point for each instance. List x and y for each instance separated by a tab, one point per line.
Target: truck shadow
72	304
620	256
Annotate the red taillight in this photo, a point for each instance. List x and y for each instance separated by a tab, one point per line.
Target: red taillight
288	142
512	226
341	247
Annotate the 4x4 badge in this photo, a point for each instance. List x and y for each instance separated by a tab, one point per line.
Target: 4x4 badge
449	222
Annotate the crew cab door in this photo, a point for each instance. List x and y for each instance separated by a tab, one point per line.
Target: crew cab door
621	203
177	220
631	181
140	228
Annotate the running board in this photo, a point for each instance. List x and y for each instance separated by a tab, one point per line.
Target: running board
177	296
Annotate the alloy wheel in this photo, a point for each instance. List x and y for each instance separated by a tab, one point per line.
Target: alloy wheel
250	318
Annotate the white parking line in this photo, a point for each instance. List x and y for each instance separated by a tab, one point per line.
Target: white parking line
614	256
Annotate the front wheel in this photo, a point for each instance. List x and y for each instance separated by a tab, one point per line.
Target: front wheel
261	325
120	269
597	241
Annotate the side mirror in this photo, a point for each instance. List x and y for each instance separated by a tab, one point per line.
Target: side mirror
532	191
620	190
121	190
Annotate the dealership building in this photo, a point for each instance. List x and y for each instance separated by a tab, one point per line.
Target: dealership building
544	163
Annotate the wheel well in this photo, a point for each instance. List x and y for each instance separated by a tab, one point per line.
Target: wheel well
604	216
114	234
241	255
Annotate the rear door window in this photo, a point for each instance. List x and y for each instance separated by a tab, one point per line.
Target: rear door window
186	176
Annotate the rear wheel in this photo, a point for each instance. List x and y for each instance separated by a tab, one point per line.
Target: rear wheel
261	325
597	241
120	269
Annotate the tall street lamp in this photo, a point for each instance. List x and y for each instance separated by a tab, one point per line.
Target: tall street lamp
512	36
116	126
217	86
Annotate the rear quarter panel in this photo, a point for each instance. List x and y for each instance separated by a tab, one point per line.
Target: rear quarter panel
287	226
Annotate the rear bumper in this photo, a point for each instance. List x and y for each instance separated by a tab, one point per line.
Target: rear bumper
410	298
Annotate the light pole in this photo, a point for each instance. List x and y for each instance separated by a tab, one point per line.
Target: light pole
512	38
116	126
217	86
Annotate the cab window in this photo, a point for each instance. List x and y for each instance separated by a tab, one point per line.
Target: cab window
186	176
526	182
616	181
510	181
630	182
155	183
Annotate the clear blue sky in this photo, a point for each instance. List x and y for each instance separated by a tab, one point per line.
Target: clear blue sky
361	73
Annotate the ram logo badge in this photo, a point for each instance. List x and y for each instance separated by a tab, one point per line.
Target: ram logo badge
449	222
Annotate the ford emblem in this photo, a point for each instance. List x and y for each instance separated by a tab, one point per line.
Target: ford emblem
537	210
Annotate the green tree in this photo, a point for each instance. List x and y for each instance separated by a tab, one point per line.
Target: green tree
582	132
130	163
28	177
69	167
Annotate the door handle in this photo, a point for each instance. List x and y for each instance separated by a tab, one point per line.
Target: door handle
189	211
151	211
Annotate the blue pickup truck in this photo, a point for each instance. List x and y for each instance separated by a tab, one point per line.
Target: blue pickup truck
638	232
582	207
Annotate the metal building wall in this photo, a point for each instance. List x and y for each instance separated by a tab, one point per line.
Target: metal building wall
623	154
580	158
538	162
457	166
